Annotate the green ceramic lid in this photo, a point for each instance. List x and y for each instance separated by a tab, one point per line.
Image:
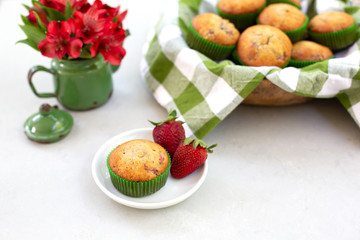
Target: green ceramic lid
49	125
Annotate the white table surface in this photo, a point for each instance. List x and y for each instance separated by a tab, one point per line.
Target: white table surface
277	173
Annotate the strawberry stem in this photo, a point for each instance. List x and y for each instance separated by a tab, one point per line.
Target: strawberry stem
210	149
171	117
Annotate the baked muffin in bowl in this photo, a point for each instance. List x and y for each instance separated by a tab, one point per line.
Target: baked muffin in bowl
287	18
242	13
263	45
138	167
212	35
334	29
305	53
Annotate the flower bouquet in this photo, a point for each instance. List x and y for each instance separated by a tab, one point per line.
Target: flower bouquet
75	29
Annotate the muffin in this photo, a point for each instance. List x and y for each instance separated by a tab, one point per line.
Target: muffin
287	18
263	45
305	53
242	13
334	29
138	167
212	35
295	3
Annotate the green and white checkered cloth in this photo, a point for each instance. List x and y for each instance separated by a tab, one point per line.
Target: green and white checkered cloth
204	92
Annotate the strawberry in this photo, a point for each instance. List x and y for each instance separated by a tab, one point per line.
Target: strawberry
189	157
169	133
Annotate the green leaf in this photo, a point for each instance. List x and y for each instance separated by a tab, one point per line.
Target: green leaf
127	33
25	20
68	10
27	7
85	54
34	34
39	22
173	114
187	141
53	15
28	42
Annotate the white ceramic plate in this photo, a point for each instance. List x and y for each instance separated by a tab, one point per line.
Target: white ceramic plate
174	191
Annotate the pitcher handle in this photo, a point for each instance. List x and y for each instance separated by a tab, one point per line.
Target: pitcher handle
32	71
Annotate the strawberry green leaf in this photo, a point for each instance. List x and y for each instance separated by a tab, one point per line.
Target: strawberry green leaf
172	114
171	117
187	141
198	142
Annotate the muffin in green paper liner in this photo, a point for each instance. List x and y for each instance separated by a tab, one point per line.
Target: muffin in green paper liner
305	53
287	18
138	167
264	45
298	34
212	35
237	60
334	29
295	3
242	13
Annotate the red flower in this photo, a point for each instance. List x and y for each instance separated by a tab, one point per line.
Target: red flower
42	15
87	25
110	44
60	5
58	42
55	4
110	12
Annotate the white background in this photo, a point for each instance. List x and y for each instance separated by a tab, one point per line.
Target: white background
277	173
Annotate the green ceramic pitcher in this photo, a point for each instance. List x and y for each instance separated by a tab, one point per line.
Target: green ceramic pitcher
79	84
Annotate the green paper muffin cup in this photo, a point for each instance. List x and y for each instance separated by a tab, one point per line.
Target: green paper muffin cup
268	2
336	40
296	34
138	189
301	64
237	59
214	51
241	21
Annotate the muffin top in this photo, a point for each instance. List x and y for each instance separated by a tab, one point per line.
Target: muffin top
263	45
216	29
284	16
310	51
139	160
240	6
330	22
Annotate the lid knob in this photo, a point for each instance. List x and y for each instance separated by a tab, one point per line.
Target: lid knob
45	109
